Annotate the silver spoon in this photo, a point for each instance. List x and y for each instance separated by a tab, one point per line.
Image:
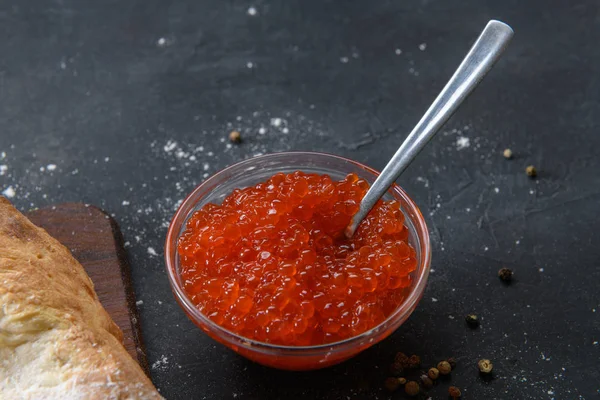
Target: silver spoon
485	52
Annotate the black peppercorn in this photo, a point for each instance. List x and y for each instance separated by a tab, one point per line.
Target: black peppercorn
452	362
505	275
426	381
392	384
411	388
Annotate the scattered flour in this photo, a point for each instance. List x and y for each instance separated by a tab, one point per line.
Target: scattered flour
161	363
51	167
3	169
252	11
152	252
462	142
9	192
423	46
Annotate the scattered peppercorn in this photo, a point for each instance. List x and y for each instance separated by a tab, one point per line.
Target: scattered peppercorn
508	154
402	381
452	362
414	361
392	384
472	321
433	373
444	367
411	388
235	137
401	358
454	392
505	275
485	366
531	171
426	381
396	368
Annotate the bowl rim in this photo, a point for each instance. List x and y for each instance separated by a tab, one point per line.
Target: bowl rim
404	309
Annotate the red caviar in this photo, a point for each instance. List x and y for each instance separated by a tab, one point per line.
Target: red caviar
271	262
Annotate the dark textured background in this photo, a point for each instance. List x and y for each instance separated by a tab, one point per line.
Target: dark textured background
133	123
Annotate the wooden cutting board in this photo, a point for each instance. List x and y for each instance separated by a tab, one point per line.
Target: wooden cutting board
96	242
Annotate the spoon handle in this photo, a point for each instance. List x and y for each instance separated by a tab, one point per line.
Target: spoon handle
485	52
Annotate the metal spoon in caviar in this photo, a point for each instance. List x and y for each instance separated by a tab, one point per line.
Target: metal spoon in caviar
485	52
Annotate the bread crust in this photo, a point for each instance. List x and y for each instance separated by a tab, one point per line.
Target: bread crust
56	339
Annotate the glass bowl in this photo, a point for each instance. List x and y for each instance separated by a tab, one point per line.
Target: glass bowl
259	169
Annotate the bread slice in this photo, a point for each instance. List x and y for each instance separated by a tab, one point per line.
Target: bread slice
56	339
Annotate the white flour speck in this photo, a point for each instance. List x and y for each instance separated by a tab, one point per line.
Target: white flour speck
151	251
3	169
398	52
125	203
462	142
285	130
139	302
170	146
262	131
161	42
106	159
159	302
252	11
276	122
344	60
434	299
9	192
497	190
206	166
541	269
51	167
160	363
250	64
423	46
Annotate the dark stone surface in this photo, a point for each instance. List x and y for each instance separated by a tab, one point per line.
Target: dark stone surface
88	87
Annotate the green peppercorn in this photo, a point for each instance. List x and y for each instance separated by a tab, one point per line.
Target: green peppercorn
454	392
444	367
411	388
485	366
472	321
505	275
433	373
392	384
426	381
